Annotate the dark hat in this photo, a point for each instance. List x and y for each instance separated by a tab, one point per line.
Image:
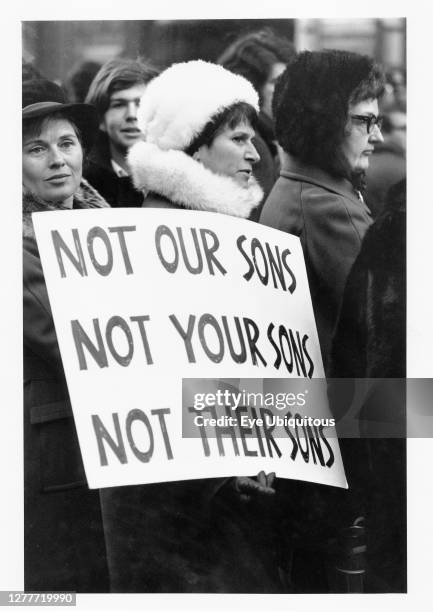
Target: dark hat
41	98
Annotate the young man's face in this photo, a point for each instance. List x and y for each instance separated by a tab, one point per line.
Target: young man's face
120	119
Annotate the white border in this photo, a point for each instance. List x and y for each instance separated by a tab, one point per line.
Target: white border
420	222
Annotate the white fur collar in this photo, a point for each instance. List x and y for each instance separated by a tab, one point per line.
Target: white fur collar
186	182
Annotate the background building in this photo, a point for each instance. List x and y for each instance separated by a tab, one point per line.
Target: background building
55	47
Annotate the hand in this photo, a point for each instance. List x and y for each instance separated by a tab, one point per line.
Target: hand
248	487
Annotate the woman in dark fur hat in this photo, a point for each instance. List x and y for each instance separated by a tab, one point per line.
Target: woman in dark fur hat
326	119
327	123
64	547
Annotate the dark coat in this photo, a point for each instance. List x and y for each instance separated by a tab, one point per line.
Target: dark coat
331	220
370	342
117	191
370	338
187	537
64	546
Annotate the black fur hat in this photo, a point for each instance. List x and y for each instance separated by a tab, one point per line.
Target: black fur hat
311	103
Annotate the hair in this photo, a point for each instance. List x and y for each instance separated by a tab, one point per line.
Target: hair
115	75
33	127
253	55
230	117
311	104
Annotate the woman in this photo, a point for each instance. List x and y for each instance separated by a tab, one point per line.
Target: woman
198	124
261	57
201	535
327	123
64	546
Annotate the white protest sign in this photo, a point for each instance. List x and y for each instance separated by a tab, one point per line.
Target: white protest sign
143	298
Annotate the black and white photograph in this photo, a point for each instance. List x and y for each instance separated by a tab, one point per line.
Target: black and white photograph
211	345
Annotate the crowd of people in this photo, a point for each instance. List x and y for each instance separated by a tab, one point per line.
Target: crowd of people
284	139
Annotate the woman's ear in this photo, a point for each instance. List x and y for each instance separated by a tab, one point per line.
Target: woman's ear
196	155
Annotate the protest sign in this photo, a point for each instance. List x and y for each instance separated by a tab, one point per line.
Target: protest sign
143	299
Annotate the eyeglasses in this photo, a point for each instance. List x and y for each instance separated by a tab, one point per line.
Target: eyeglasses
369	120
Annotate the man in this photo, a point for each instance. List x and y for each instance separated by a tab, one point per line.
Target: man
115	92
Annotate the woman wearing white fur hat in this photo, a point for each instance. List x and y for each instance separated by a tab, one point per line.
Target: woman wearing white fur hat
198	124
210	535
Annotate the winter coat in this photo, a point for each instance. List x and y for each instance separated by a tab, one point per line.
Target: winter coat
331	220
370	342
190	536
370	338
185	183
117	191
64	548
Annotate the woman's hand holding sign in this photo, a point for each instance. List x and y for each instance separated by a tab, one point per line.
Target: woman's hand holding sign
247	487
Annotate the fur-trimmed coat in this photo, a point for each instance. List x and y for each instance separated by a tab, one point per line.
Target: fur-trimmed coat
64	548
190	536
179	181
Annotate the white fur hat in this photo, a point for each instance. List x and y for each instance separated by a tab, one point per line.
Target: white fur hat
178	103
